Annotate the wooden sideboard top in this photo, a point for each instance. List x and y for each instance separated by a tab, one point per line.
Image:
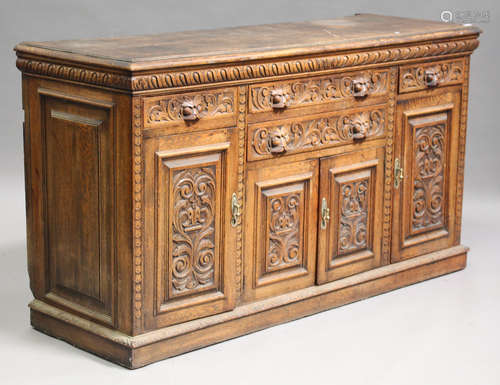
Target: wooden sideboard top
239	44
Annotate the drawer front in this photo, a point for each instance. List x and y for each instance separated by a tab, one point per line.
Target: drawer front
280	237
274	100
191	110
275	138
350	228
416	77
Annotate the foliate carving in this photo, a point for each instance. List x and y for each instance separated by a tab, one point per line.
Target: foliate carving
242	72
284	232
420	76
353	224
316	133
137	216
193	229
319	90
170	108
389	151
428	183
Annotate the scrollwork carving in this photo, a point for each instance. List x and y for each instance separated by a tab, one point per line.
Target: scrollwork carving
171	108
428	183
301	135
421	76
284	232
314	91
353	224
193	229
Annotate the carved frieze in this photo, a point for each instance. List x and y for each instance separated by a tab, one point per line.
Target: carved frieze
301	135
420	76
206	104
237	72
332	88
297	66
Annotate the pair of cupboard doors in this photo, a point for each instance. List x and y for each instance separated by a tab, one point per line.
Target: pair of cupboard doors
304	222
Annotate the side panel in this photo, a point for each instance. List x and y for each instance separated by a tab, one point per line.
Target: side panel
79	192
75	175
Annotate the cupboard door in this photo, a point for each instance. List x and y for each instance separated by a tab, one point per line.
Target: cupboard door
190	179
350	222
280	228
425	189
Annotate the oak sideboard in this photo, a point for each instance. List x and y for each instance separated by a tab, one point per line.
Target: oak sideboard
187	188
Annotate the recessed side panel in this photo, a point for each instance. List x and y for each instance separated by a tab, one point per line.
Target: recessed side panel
78	163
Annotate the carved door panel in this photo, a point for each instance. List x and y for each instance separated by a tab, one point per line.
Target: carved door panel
350	222
190	182
425	188
280	236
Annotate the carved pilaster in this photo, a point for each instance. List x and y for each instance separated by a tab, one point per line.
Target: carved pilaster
389	151
461	151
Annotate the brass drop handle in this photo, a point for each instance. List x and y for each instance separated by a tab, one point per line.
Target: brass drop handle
189	110
431	78
279	99
360	88
398	173
235	210
325	214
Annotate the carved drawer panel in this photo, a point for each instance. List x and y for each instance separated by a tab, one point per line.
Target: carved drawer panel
313	132
213	108
416	77
281	228
273	100
350	236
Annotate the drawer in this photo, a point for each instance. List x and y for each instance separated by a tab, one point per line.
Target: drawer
208	109
296	135
420	76
278	100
